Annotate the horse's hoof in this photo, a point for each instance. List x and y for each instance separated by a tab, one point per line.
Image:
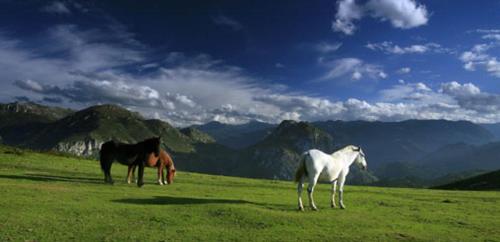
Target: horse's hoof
314	208
301	209
334	206
140	184
342	206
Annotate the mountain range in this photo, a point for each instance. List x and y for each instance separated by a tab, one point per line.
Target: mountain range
406	153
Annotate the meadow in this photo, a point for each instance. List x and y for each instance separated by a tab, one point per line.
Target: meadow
47	197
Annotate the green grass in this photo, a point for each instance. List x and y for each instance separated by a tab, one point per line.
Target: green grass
55	198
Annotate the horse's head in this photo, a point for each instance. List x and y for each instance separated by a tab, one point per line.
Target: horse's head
170	169
360	158
170	174
153	145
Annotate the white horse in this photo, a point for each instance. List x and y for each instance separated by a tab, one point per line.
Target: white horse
336	165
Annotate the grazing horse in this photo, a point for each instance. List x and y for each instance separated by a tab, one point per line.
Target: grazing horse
336	165
162	161
127	154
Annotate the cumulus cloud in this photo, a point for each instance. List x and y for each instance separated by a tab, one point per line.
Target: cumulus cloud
223	20
347	12
353	68
482	56
391	48
452	101
403	14
412	93
478	57
57	7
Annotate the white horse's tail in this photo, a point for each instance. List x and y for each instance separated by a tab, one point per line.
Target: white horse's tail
301	171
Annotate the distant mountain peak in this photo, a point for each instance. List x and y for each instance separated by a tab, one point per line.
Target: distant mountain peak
109	111
290	127
197	135
34	109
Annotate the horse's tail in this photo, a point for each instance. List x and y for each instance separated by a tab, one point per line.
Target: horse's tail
104	154
302	170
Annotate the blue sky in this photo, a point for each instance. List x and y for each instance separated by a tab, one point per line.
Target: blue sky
190	62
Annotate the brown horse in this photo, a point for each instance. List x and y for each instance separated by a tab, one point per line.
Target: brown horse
162	161
128	154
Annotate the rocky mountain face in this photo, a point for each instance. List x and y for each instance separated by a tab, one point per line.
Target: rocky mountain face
277	156
197	135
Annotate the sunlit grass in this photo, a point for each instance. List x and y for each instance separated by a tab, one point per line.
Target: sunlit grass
56	198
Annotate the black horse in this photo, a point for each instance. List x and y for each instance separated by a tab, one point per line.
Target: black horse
127	154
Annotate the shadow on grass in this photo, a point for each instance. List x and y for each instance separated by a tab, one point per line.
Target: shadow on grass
167	200
50	178
179	200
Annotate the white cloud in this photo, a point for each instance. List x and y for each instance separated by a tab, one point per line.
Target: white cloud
391	48
489	34
223	20
402	14
57	7
412	93
457	89
492	36
478	56
404	70
347	11
325	48
353	67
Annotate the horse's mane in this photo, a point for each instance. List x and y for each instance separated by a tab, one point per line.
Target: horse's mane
168	159
351	147
150	140
348	147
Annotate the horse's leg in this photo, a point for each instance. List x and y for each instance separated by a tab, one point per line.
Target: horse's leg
160	171
107	171
310	190
300	186
133	174
341	191
130	172
163	175
334	188
140	181
104	160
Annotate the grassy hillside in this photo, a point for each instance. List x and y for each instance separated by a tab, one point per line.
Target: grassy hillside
486	181
56	198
